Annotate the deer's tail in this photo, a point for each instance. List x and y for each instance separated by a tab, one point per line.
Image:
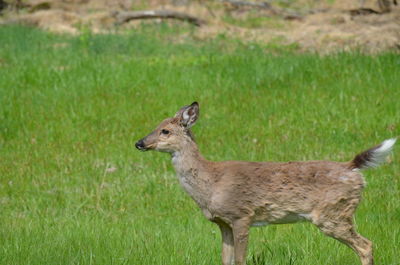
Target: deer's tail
374	156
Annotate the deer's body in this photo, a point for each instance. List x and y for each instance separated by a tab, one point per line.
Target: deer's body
268	191
237	195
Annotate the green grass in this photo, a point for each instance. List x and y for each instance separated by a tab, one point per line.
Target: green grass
73	189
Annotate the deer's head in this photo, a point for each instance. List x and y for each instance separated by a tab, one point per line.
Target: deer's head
172	133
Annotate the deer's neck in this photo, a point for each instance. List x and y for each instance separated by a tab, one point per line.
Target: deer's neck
192	171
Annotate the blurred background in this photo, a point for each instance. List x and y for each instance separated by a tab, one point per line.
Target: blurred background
319	25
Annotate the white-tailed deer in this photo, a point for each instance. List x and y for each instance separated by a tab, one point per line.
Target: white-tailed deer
237	195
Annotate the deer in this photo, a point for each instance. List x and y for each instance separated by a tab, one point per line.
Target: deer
237	195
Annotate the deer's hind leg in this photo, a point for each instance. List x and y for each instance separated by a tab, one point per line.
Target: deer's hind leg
346	233
336	220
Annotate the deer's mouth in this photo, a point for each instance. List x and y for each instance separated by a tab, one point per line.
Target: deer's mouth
143	149
140	145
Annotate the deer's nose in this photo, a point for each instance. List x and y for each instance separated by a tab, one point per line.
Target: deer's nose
140	145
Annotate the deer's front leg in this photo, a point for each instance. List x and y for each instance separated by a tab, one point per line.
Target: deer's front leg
240	235
227	244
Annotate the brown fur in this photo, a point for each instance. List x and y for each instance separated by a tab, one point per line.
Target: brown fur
236	195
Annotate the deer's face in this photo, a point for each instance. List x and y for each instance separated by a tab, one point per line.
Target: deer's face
165	138
171	134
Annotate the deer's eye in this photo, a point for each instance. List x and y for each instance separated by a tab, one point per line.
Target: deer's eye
164	131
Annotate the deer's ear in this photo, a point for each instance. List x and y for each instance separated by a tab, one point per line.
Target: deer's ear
188	115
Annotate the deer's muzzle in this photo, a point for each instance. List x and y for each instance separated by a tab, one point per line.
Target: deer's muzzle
140	145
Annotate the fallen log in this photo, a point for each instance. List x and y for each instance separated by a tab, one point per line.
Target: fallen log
126	16
239	3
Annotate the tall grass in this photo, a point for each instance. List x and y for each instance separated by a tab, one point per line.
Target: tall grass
73	190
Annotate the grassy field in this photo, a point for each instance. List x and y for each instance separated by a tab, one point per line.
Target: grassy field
74	190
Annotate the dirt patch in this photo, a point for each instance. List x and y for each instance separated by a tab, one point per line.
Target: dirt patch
324	28
338	30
